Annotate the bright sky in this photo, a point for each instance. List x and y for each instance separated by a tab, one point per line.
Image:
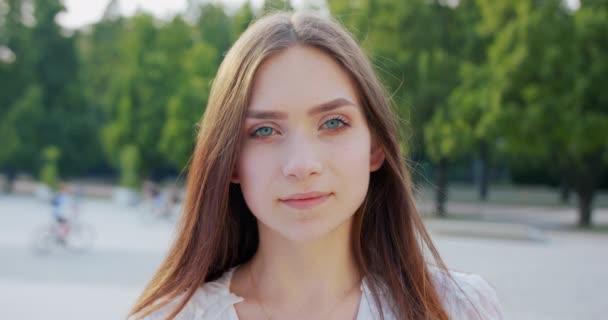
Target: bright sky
83	12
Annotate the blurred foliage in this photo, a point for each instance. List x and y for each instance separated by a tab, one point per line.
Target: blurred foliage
41	101
276	5
49	174
129	166
494	81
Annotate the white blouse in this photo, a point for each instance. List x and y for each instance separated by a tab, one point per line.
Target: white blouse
476	300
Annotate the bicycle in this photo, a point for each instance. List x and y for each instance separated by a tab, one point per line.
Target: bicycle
48	238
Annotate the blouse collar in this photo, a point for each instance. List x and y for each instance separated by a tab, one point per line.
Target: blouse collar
222	286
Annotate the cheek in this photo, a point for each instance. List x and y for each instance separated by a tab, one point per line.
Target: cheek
254	164
350	164
352	155
256	172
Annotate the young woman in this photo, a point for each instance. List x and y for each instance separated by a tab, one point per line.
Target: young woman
298	204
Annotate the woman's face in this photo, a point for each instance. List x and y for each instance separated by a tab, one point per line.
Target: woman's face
306	155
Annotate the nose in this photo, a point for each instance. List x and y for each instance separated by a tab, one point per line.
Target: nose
302	159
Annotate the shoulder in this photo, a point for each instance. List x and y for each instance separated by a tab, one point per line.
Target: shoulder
163	313
467	296
211	301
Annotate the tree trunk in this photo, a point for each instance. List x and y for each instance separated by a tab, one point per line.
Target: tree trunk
564	191
585	203
485	171
442	187
11	175
585	183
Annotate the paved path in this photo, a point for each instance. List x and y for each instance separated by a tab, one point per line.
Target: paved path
563	277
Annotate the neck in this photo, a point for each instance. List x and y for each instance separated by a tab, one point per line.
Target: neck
285	270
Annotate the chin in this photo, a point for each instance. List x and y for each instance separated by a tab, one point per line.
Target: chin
311	231
304	236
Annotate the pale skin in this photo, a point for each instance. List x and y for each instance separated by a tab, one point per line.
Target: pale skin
305	132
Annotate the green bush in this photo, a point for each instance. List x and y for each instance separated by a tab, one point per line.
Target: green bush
129	166
49	172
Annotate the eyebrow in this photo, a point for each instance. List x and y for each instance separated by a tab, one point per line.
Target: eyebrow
324	107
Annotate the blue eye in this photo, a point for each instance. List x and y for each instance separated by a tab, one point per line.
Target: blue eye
263	132
335	123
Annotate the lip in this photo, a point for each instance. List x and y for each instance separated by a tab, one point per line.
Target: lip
306	200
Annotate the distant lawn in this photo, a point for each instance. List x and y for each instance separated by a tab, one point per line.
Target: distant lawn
596	228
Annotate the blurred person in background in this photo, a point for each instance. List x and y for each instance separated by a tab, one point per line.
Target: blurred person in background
172	201
63	206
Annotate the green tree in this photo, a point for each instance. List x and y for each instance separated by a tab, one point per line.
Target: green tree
447	136
586	143
14	74
470	101
356	16
188	104
49	174
150	73
100	52
21	149
129	167
553	110
45	96
241	20
214	27
414	46
274	5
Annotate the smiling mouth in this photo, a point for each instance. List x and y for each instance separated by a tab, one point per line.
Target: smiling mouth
306	203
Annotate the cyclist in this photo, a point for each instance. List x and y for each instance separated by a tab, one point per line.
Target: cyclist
62	204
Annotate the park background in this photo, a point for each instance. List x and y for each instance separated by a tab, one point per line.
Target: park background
504	112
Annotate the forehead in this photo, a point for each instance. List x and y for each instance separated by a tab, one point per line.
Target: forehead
300	78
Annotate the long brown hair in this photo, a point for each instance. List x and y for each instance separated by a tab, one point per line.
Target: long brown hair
217	230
